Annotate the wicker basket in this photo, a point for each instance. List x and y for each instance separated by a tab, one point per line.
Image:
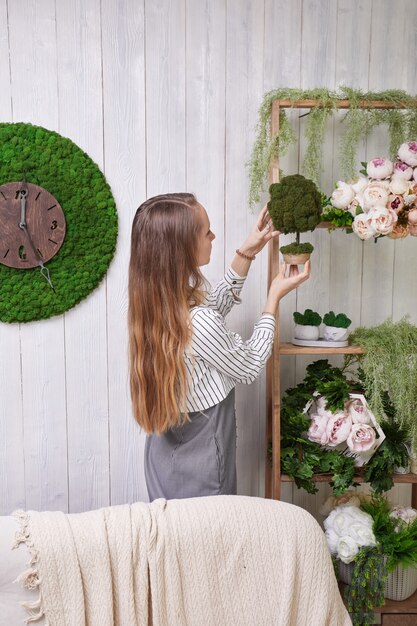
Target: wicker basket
400	585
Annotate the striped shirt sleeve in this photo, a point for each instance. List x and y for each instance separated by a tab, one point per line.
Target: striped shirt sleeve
226	293
242	361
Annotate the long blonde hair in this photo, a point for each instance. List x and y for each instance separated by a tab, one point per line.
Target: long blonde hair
164	283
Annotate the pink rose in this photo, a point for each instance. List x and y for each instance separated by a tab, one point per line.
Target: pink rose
361	438
375	194
379	168
382	219
357	412
362	226
395	202
402	170
338	428
317	431
407	152
399	231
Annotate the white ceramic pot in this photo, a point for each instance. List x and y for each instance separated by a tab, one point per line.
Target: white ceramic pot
332	333
310	333
400	585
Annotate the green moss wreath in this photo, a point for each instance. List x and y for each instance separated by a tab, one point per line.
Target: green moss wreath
45	158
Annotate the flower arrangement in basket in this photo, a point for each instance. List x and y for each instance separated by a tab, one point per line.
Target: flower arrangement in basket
328	428
375	547
381	202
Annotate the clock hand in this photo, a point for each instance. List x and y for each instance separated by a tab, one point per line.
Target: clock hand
22	223
44	270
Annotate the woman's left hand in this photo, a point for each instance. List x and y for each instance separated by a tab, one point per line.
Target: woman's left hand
262	232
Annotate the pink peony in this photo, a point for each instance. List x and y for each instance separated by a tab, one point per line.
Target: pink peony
407	152
342	196
415	174
382	219
318	428
402	170
412	216
357	412
379	168
375	194
361	438
399	231
338	428
395	202
359	184
412	230
399	185
362	226
404	514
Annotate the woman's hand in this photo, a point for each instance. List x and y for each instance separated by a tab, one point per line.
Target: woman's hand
261	233
283	284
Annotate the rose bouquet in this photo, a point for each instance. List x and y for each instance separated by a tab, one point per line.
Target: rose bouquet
353	430
376	546
383	201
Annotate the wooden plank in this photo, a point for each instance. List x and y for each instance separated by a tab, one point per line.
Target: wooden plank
35	100
123	43
243	86
80	118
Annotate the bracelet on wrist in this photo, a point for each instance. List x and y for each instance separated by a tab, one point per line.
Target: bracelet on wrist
245	256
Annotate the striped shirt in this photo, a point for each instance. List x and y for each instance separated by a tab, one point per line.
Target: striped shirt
217	359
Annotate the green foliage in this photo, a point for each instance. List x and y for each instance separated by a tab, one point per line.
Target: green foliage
45	158
366	590
295	204
392	451
358	122
297	248
338	217
308	318
338	321
390	371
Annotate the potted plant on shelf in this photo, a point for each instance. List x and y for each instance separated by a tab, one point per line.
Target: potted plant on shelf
307	325
336	326
375	546
295	207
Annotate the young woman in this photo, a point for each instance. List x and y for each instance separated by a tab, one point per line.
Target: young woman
184	362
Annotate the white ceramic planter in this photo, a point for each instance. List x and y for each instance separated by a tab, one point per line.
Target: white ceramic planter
310	333
400	585
332	333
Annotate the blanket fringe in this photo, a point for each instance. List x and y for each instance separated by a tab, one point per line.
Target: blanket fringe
30	578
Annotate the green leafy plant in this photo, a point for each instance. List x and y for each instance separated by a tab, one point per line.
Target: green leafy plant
297	248
389	370
308	318
356	122
392	451
338	321
366	590
338	218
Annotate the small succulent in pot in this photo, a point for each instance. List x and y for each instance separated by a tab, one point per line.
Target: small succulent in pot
335	326
307	325
295	207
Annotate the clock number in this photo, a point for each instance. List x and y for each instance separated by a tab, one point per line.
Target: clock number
54	225
39	193
20	193
3	195
7	252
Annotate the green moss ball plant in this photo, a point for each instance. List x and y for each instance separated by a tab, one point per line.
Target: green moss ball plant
308	318
295	207
47	159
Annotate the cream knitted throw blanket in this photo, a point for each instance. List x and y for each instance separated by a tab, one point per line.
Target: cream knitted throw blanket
215	561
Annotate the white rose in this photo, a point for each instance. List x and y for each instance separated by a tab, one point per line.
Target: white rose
332	540
342	196
402	170
398	185
362	533
347	549
379	168
362	226
373	195
359	184
382	220
407	152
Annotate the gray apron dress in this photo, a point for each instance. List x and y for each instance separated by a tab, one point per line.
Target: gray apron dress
196	459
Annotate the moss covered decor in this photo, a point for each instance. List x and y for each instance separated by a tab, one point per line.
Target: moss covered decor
45	158
357	123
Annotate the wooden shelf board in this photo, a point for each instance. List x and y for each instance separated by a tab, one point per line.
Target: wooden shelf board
325	478
289	348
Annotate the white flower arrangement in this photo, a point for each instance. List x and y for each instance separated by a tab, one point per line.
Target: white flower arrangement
354	431
382	203
348	529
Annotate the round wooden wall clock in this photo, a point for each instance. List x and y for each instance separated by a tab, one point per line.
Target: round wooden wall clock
58	223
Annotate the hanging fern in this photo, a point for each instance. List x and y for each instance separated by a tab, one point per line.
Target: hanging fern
358	122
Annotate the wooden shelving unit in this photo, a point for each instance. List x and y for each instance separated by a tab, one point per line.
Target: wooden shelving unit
273	477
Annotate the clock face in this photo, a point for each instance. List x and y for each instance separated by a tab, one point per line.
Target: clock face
32	225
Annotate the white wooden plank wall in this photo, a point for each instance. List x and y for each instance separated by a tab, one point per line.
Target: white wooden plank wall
163	95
